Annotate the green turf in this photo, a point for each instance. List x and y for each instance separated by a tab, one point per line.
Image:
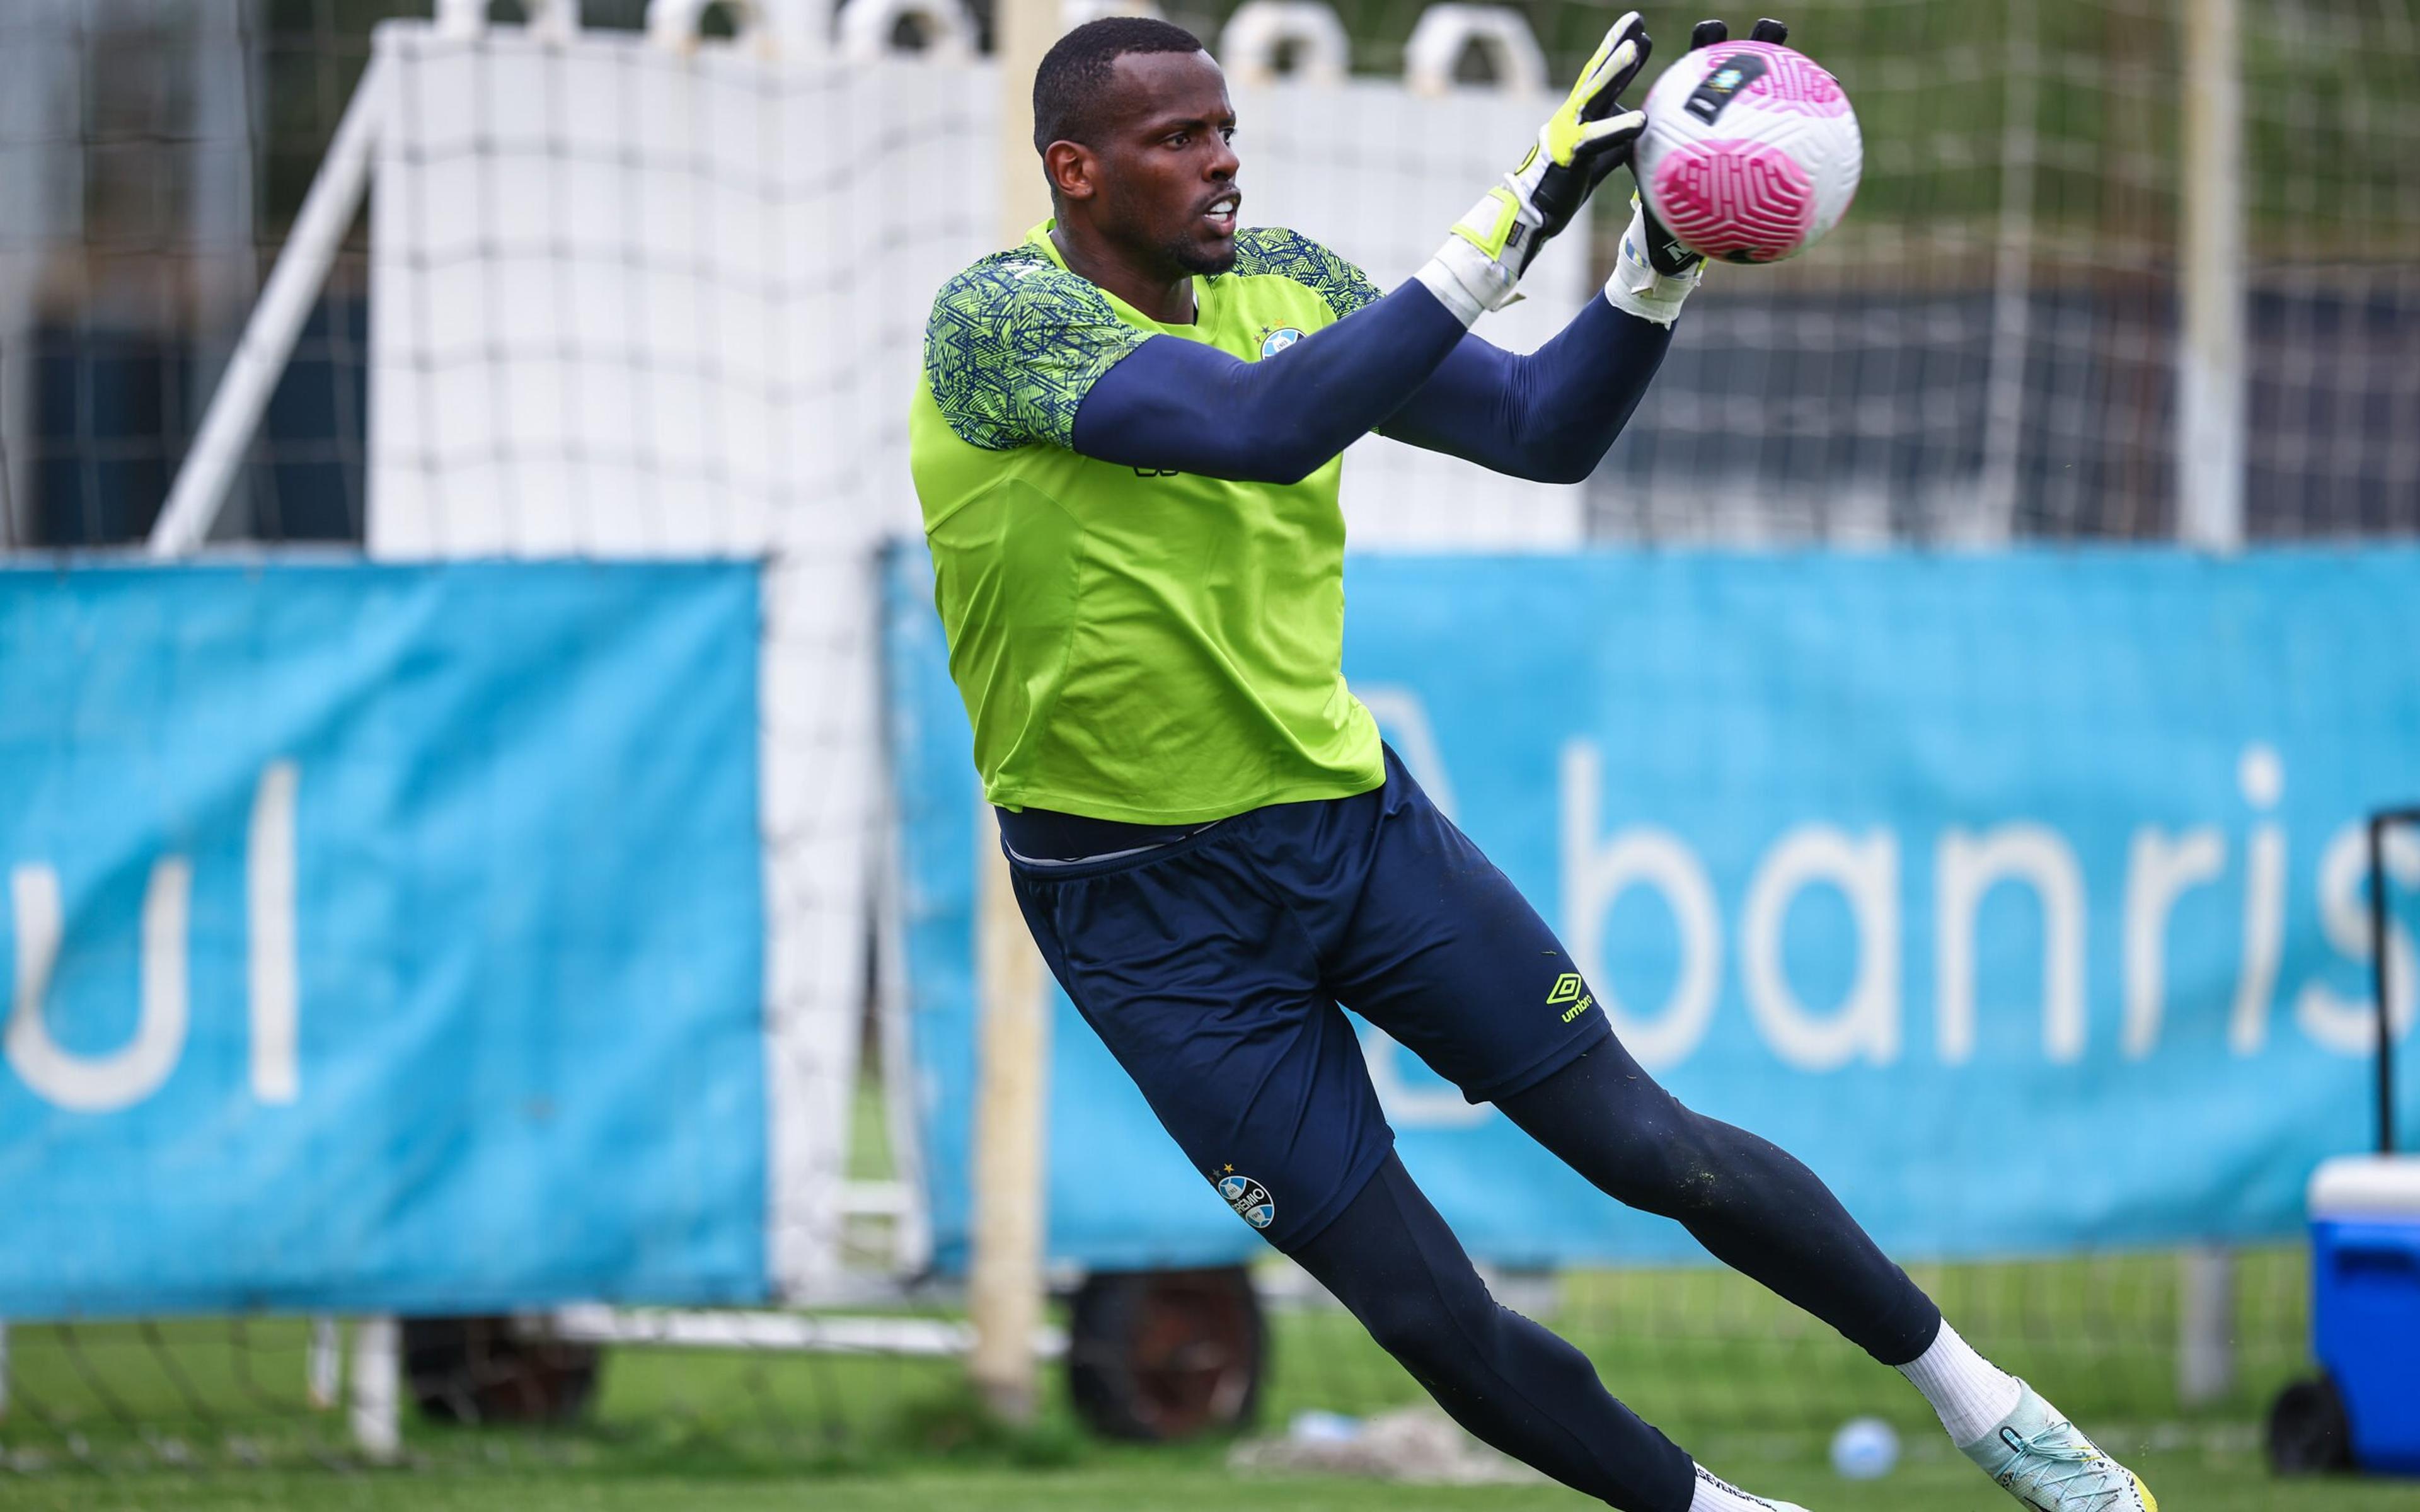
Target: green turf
1129	1482
124	1417
1702	1353
209	1414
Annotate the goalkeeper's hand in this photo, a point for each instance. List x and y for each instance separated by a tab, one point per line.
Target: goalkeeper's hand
1482	262
1656	272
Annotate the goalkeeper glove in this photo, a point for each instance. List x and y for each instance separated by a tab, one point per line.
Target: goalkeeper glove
1492	246
1654	272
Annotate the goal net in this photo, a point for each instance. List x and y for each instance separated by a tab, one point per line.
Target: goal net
1996	342
633	301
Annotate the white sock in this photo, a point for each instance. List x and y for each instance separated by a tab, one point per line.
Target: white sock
1716	1494
1971	1394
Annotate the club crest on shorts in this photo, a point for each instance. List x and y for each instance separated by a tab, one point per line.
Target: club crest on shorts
1249	1198
1274	342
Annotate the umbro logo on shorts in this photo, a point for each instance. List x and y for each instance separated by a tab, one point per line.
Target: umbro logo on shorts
1569	989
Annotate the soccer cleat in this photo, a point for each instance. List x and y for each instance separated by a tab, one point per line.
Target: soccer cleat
2047	1463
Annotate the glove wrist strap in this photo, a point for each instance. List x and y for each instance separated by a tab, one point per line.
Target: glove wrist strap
1460	276
1636	288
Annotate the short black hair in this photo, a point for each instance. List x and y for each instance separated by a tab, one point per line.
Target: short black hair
1067	87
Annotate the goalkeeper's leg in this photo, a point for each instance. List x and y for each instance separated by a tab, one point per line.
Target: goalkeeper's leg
1752	1204
1446	956
1764	1214
1392	1261
1430	959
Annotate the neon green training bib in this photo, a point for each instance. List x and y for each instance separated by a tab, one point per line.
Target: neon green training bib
1153	648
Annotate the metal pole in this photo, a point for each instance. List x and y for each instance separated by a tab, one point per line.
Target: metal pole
1011	1155
2205	1325
1012	1186
2210	416
1022	31
2211	411
260	359
376	1382
2380	978
2004	408
324	1363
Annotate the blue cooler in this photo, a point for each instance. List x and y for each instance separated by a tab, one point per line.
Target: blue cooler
2365	1302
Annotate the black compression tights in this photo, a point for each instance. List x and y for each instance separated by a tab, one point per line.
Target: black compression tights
1393	1262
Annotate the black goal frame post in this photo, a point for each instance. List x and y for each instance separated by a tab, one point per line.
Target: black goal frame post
2380	822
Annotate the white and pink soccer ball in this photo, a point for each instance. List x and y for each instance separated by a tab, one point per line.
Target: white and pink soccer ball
1751	152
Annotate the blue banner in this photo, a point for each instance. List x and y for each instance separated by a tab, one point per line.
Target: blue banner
2022	896
380	937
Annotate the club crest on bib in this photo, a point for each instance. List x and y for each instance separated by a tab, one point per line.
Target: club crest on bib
1251	1200
1274	342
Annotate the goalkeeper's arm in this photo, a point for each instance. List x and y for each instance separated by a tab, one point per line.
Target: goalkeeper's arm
1551	415
1181	404
1548	416
1188	407
1404	365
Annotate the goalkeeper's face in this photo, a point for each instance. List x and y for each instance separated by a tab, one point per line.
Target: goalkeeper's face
1163	178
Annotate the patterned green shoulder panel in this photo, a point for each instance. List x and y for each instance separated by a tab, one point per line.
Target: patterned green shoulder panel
1267	250
1014	344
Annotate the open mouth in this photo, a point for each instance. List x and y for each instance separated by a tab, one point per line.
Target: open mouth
1220	213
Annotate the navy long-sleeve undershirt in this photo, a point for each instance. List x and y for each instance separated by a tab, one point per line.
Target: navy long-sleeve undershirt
1550	415
1402	366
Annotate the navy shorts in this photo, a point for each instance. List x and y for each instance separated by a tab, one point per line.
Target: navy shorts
1212	969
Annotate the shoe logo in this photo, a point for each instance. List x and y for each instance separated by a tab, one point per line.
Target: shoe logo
2008	1483
2007	1478
1569	989
1249	1198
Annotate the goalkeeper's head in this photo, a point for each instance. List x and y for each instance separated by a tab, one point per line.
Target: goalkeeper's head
1133	124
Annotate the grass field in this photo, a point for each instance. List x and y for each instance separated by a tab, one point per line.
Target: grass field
206	1414
1128	1482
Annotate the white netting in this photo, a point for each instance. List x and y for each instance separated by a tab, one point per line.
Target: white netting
128	200
1990	345
1378	172
639	302
635	301
2332	98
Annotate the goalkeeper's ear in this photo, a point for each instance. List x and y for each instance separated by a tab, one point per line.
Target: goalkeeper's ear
1074	171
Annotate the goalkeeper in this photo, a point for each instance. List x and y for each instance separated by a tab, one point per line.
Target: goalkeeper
1126	447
